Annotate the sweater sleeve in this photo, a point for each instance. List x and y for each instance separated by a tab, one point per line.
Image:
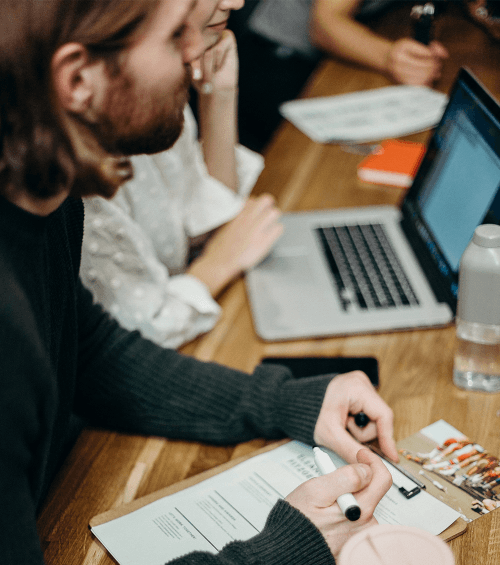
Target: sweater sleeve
129	383
25	401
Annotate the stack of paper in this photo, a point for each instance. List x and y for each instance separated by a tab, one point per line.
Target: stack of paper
369	115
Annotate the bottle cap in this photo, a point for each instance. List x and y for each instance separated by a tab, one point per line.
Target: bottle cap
487	235
393	545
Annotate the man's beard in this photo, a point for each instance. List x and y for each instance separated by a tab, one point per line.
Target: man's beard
134	122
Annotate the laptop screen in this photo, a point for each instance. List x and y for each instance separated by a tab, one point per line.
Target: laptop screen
458	185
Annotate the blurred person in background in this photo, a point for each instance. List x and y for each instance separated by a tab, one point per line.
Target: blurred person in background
281	42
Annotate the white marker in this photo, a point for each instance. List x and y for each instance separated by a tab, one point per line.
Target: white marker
348	504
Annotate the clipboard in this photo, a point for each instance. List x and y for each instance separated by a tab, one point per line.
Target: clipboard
176	487
455	530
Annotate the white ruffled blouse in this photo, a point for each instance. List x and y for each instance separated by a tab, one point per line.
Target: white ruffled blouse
136	246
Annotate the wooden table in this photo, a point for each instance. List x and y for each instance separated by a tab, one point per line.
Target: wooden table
107	469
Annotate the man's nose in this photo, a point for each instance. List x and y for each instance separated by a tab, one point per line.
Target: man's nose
231	4
193	44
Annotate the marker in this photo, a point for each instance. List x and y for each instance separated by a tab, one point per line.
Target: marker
348	504
361	420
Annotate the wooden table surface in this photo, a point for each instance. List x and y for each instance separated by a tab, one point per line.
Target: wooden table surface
106	469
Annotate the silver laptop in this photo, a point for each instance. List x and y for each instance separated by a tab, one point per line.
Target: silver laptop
381	268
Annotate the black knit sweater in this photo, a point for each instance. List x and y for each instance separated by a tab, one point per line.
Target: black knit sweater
60	354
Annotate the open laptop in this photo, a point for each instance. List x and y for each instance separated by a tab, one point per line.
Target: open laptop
381	268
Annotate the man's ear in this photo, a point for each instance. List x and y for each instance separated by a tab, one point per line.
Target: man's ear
75	79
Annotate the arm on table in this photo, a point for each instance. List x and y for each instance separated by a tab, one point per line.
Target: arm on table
333	29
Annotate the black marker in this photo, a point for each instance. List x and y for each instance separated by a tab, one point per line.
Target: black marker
361	420
423	20
348	504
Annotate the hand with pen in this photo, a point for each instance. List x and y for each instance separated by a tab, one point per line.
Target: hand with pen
366	477
336	428
411	62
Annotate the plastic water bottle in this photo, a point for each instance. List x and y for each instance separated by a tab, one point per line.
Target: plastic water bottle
477	356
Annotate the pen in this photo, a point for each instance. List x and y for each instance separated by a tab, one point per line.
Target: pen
423	17
348	504
361	419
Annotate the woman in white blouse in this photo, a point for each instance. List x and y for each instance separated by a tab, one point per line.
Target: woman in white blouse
136	247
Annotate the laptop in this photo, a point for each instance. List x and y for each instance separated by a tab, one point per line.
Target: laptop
381	268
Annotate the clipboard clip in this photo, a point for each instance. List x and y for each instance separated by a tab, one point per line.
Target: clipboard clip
409	493
405	492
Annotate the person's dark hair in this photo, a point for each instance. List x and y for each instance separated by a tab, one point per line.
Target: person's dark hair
42	149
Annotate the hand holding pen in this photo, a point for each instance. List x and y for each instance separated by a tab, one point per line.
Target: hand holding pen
320	499
346	396
347	503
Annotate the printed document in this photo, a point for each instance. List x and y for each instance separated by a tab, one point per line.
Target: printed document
369	115
234	505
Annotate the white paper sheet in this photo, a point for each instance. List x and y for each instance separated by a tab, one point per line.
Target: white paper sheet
369	115
234	505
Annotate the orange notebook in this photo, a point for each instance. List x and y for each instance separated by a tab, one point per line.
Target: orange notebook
394	162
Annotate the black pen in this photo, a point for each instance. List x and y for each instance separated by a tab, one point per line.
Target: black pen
361	420
423	19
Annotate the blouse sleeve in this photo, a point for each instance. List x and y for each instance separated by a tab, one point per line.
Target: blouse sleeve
121	268
207	202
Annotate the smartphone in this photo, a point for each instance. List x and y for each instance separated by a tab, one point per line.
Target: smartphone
311	366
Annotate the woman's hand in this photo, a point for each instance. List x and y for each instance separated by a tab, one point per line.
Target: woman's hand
216	71
239	244
411	62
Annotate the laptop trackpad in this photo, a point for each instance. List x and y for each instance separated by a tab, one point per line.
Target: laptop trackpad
287	265
286	295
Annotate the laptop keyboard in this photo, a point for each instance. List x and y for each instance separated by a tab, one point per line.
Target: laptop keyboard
365	268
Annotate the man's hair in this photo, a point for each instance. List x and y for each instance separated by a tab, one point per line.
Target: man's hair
44	150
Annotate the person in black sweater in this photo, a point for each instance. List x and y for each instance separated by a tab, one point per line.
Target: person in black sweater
84	83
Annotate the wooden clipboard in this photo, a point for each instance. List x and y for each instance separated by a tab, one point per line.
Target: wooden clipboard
455	530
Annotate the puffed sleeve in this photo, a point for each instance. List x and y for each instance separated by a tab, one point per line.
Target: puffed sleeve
122	270
208	203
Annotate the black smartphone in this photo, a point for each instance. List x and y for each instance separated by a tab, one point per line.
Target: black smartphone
311	366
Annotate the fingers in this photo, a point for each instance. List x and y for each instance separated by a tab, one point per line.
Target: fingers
264	204
381	426
348	479
367	479
246	239
349	394
380	482
411	62
259	227
214	62
439	50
